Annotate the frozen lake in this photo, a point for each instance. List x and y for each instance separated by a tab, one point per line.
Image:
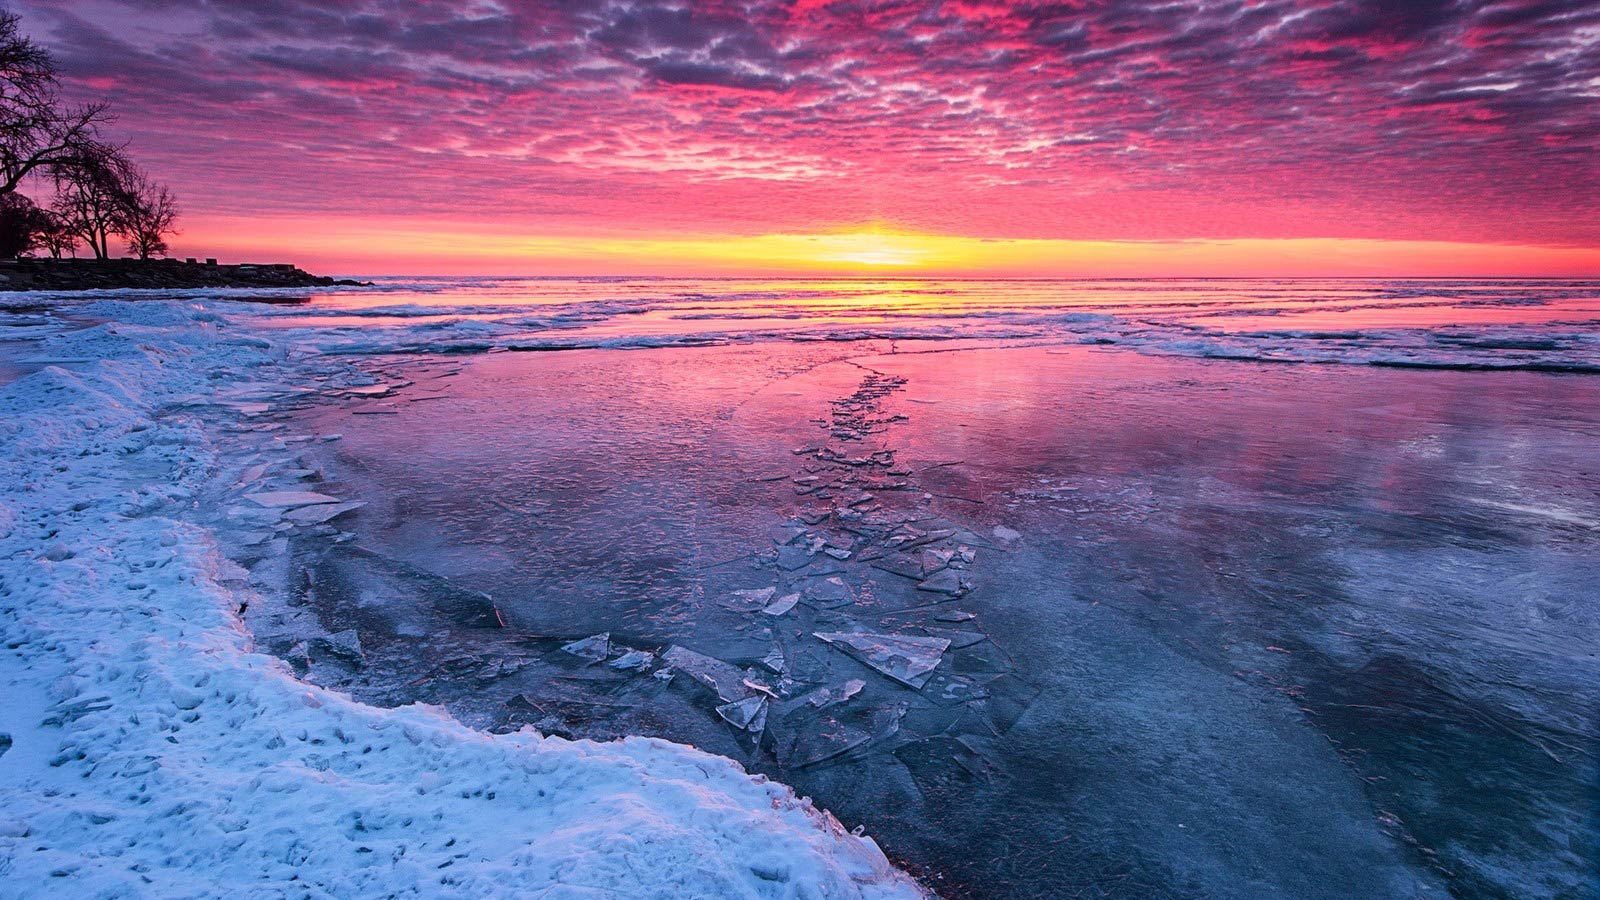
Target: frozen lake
1174	589
1187	627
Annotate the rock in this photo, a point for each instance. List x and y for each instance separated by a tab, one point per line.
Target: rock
89	274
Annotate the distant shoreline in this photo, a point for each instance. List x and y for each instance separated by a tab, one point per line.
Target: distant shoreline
92	274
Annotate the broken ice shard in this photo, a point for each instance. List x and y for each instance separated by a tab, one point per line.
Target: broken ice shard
830	592
749	714
934	560
947	581
759	687
826	739
748	601
781	605
633	660
900	564
345	645
775	660
791	558
785	534
824	697
725	679
958	639
908	659
593	649
318	513
284	499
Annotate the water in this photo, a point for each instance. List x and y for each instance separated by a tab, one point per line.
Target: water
1543	325
1206	624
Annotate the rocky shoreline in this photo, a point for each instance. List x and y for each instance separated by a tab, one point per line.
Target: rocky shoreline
88	274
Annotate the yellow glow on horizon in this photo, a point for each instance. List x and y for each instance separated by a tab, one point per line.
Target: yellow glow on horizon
350	246
874	248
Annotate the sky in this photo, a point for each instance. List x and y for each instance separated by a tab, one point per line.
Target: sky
1323	137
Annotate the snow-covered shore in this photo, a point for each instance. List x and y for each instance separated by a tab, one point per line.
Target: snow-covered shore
155	752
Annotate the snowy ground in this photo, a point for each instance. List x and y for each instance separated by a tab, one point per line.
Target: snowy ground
150	749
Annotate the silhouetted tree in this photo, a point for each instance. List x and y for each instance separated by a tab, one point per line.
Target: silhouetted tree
38	133
149	214
99	193
55	237
92	194
22	225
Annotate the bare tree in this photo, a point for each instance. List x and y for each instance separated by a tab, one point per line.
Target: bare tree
37	131
150	212
99	193
92	192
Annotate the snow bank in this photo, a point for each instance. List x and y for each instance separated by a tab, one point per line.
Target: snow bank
154	753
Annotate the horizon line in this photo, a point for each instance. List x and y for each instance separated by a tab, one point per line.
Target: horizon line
869	276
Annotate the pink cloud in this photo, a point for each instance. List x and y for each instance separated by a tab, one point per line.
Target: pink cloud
1460	121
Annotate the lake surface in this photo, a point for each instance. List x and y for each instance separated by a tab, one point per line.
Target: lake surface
1543	325
1123	619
